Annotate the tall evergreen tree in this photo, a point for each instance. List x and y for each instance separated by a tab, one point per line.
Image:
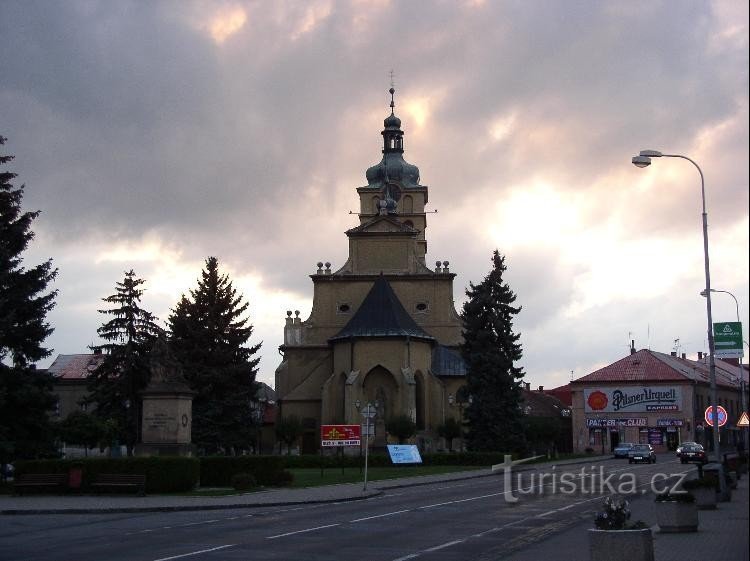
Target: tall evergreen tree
490	350
25	393
209	335
116	384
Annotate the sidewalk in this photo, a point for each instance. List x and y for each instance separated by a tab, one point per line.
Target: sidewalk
722	534
71	504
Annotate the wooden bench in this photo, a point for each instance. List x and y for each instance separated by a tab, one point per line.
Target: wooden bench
38	480
120	481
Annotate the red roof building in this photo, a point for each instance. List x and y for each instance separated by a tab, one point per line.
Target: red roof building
655	398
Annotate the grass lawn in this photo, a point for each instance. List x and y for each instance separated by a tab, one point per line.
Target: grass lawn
310	477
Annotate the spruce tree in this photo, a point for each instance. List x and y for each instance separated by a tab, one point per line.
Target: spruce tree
209	334
25	394
115	386
491	350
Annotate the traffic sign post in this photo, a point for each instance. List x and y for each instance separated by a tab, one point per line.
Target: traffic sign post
368	412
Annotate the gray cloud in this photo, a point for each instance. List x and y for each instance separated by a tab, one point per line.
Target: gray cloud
128	119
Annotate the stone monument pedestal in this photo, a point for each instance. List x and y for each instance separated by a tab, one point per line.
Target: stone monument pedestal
167	408
166	421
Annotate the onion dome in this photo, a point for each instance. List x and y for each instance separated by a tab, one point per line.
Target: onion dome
393	167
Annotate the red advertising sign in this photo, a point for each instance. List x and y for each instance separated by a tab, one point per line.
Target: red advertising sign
340	435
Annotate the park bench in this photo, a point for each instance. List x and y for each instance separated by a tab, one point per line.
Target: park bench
39	480
120	481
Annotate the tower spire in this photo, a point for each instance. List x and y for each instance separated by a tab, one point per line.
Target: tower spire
392	91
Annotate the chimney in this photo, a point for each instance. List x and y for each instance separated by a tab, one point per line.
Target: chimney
700	355
673	353
528	387
684	356
632	346
541	388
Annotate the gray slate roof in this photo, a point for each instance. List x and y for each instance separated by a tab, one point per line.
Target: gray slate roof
381	315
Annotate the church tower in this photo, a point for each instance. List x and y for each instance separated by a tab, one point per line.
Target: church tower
383	328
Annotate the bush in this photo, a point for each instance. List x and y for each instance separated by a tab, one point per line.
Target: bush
589	450
284	479
244	481
217	471
163	474
616	516
675	498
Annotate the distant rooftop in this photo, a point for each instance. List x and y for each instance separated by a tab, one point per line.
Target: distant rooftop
74	367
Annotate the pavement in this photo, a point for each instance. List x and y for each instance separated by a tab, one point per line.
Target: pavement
89	504
722	533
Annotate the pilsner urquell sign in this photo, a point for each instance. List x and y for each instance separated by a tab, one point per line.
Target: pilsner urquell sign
632	399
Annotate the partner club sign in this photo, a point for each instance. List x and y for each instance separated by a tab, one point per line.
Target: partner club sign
632	399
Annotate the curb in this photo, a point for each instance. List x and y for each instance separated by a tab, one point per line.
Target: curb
184	508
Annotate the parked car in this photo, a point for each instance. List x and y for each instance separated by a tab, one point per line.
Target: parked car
683	444
622	449
693	453
642	453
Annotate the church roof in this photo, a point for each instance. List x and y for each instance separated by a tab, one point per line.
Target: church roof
446	362
381	315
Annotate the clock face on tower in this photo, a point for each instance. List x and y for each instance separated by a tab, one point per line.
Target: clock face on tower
392	190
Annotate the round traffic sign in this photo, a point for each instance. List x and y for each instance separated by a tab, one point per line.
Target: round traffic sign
722	413
368	411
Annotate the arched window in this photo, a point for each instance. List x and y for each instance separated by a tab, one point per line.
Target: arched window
407	204
375	203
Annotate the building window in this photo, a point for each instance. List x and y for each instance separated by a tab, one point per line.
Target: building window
422	307
344	308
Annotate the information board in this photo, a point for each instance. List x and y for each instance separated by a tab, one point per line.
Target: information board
404	454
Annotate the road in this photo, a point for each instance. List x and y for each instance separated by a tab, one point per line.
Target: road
469	519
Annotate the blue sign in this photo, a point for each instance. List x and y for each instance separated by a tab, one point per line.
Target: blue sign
404	454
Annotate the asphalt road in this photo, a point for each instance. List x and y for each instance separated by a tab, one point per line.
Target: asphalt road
469	519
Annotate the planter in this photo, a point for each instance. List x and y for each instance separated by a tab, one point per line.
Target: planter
621	545
674	516
705	497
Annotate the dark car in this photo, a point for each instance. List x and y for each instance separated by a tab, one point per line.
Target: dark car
683	444
642	453
622	449
693	453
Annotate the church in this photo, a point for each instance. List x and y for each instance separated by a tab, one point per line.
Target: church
383	328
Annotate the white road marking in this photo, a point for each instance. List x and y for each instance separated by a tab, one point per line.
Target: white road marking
380	515
197	523
195	552
302	531
444	545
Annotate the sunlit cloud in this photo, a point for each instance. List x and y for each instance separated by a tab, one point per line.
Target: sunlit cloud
227	21
314	14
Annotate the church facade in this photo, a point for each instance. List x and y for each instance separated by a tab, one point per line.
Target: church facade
383	328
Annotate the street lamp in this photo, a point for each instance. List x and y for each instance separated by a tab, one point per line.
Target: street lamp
742	377
642	160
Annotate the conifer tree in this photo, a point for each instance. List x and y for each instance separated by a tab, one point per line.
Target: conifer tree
115	386
209	334
491	351
25	393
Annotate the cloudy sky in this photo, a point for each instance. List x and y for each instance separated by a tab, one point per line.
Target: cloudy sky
154	134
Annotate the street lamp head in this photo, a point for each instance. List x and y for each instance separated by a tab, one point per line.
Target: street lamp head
641	161
651	153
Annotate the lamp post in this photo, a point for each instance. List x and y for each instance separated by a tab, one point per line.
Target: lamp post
739	363
642	160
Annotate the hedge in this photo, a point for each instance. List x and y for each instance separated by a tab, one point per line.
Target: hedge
163	474
217	471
